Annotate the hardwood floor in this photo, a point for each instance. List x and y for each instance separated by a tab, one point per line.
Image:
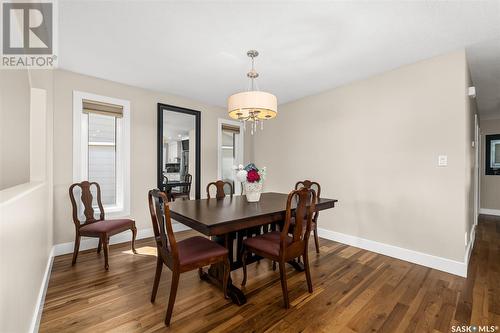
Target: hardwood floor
354	291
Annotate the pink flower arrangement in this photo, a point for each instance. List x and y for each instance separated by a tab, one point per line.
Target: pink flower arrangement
253	176
250	173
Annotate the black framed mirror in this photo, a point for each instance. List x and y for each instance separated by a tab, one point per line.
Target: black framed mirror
179	151
492	163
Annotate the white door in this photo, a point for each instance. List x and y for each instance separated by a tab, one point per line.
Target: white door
230	151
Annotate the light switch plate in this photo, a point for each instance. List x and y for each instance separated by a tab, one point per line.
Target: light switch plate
442	160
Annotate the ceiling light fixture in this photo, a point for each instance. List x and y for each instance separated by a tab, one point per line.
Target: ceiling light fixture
252	106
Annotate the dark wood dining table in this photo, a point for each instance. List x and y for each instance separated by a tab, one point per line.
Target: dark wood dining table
227	221
167	187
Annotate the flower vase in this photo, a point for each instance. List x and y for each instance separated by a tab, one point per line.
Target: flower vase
253	191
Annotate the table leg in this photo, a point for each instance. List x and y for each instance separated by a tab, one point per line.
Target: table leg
216	271
214	276
297	265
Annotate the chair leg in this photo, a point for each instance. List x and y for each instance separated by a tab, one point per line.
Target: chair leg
244	264
77	248
284	287
99	246
308	272
171	298
159	266
316	238
105	245
134	235
225	279
274	265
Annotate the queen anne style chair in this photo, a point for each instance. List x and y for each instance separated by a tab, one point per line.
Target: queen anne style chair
219	185
279	246
314	226
185	255
92	227
184	191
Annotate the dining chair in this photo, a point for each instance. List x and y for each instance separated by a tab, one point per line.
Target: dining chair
100	228
220	185
184	191
279	246
314	225
183	256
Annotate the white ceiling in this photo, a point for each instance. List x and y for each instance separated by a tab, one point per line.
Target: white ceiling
198	49
484	64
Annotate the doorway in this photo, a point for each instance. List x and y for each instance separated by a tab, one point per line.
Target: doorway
230	145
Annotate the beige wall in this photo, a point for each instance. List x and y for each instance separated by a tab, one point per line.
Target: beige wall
26	216
143	105
490	185
14	127
374	146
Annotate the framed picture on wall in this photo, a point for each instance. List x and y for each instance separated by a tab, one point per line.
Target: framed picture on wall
493	154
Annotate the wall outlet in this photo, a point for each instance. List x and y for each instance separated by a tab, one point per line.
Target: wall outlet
442	160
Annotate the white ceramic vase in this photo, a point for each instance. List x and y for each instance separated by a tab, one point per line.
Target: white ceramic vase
253	191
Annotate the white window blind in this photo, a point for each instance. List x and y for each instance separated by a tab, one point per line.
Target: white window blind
102	154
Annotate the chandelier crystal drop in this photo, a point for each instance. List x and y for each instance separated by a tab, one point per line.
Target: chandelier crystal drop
252	106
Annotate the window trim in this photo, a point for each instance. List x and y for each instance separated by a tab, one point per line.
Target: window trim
80	149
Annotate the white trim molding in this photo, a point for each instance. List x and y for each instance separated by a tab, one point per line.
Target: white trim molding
37	315
487	211
443	264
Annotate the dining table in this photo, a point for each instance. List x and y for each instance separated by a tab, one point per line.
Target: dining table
167	187
229	220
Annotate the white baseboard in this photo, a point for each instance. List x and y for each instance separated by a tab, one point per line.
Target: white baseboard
87	243
35	321
470	246
424	259
487	211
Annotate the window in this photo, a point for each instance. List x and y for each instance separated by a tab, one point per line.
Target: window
101	164
230	145
101	148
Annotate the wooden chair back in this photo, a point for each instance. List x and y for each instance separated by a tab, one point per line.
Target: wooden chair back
304	200
187	179
220	185
162	227
87	200
310	185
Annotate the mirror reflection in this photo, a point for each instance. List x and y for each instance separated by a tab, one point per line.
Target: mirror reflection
178	154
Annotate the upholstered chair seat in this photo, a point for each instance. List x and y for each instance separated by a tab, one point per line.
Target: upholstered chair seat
111	227
198	249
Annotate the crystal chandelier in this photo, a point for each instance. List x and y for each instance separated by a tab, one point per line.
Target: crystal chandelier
252	106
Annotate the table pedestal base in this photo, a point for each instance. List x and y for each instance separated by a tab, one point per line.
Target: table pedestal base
216	271
214	276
